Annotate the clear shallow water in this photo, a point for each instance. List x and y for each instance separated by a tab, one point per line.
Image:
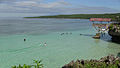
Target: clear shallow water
60	50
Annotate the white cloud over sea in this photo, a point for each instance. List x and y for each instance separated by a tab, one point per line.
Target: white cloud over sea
50	7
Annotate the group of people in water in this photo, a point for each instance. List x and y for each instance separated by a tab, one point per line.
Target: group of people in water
80	34
45	44
65	33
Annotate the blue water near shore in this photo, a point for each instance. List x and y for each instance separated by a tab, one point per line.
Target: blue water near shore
60	49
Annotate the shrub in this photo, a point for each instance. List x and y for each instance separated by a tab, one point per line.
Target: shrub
36	65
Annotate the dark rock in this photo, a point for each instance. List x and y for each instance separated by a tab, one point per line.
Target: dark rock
108	60
115	33
70	65
82	62
119	65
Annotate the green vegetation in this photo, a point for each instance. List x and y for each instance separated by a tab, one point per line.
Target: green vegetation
110	61
82	16
93	64
37	64
105	62
115	27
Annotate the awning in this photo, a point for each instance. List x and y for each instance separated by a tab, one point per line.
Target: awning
101	19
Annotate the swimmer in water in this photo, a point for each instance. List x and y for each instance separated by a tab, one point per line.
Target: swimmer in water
40	43
45	44
24	39
80	34
62	33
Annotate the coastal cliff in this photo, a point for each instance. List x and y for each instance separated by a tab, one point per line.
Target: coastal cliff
105	62
114	31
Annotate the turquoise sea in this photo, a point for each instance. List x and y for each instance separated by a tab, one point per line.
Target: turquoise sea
59	49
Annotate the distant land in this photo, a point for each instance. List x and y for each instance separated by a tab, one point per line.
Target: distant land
81	16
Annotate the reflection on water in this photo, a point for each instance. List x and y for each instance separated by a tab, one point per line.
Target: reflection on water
97	40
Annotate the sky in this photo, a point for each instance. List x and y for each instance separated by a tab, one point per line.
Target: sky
52	7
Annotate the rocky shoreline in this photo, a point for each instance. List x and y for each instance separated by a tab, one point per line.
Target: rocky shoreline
114	31
106	62
115	36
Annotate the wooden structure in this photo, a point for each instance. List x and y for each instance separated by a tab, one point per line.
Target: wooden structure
97	36
101	19
100	27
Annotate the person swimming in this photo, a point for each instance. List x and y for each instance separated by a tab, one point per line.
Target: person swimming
40	43
45	44
62	33
24	39
81	34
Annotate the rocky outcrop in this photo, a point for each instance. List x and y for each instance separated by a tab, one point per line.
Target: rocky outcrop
114	31
105	62
115	36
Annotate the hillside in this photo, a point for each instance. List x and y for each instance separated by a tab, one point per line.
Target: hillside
81	16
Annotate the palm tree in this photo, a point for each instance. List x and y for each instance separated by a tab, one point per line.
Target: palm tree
38	64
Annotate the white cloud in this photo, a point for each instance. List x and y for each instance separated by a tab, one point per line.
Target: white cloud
6	7
17	0
56	4
42	5
37	6
25	3
32	6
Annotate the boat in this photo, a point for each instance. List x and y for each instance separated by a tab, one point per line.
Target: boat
97	36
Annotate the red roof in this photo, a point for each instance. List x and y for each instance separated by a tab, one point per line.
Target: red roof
101	19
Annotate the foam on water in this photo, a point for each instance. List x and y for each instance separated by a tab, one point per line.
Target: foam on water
60	49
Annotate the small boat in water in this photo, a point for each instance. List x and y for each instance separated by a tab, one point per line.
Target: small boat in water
100	27
97	36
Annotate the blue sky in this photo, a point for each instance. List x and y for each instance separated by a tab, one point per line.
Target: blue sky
60	6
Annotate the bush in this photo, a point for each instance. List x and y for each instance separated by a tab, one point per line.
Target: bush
37	64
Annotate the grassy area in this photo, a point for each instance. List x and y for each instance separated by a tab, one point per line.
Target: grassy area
37	64
81	16
110	61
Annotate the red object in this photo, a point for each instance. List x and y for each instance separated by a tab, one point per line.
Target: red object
101	19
